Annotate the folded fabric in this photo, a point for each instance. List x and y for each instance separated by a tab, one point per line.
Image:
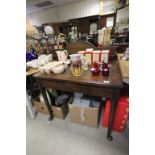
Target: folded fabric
81	102
62	99
94	104
78	95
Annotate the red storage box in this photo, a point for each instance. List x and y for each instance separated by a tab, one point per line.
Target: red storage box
121	114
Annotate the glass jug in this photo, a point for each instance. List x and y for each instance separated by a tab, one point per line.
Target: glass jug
76	64
105	69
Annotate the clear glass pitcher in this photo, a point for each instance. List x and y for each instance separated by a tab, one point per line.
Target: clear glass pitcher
76	64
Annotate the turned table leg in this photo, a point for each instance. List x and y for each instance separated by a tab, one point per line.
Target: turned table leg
114	101
43	91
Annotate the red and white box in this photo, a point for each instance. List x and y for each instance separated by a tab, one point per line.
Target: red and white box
88	57
105	56
96	56
89	49
81	53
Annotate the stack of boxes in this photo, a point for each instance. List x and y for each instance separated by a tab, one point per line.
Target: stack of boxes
95	56
86	111
58	111
83	111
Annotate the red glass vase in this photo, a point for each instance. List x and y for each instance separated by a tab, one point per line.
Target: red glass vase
105	69
95	68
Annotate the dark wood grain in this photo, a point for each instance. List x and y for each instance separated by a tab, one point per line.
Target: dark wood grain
79	45
87	78
103	20
88	84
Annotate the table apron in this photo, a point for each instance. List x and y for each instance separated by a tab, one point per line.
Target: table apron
73	87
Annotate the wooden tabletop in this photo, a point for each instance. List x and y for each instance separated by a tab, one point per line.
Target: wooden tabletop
31	71
87	78
124	67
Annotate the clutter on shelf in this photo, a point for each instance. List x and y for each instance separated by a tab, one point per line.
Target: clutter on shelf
58	104
56	67
39	61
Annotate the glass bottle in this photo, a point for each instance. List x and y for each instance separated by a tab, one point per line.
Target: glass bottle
95	68
105	69
76	64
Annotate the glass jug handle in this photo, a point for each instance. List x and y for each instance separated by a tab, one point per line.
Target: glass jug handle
66	53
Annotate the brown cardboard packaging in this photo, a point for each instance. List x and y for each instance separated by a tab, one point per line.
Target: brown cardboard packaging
58	112
107	34
84	115
40	107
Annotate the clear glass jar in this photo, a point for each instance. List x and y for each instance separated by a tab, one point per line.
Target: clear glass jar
76	65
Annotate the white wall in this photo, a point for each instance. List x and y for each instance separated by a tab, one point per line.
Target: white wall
73	10
34	19
45	16
62	13
79	9
49	15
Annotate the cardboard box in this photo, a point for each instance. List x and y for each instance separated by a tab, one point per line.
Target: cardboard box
96	56
88	56
81	53
105	56
84	115
58	112
40	107
101	37
107	34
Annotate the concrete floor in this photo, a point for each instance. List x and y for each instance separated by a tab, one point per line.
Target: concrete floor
62	137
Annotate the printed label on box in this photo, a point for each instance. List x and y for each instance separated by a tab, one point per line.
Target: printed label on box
88	58
96	57
104	58
81	53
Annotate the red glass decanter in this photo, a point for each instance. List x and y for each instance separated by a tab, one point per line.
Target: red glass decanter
105	69
95	68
